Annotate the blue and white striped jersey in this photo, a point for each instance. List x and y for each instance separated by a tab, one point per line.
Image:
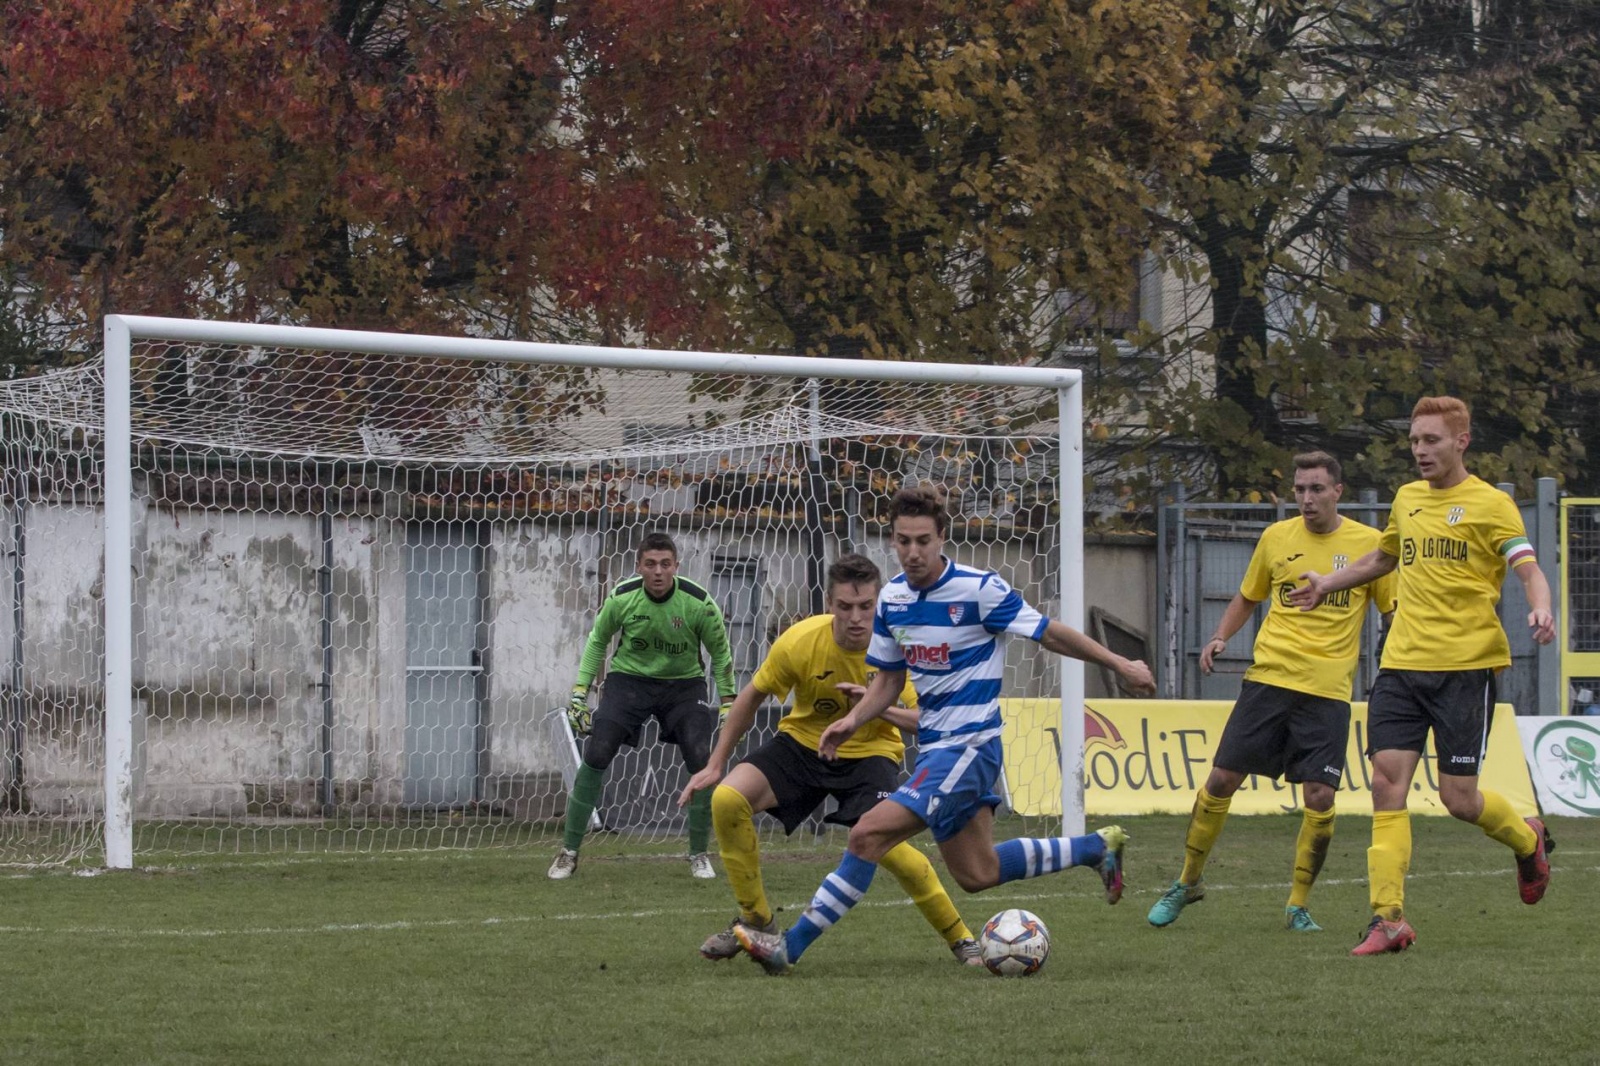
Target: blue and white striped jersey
946	636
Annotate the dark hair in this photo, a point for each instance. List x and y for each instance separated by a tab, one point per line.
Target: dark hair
1315	460
920	501
853	569
656	542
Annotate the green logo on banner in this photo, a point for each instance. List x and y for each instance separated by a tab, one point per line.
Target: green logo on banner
1566	753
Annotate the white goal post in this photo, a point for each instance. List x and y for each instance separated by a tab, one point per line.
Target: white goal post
785	457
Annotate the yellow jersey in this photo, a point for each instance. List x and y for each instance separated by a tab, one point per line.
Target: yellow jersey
806	660
1312	651
1454	546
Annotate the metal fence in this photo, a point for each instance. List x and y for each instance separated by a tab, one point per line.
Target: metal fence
1204	548
1580	622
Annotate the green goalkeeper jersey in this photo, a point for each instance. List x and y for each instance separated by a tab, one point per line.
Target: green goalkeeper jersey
660	639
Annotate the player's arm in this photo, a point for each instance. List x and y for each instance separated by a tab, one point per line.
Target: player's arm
1541	621
1369	567
880	695
900	716
606	624
741	716
714	638
1064	640
1234	616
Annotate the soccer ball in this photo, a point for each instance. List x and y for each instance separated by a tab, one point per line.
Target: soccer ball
1014	943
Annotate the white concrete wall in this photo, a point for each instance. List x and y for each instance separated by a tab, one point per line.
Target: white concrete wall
229	658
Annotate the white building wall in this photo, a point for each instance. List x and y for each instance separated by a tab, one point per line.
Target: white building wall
229	659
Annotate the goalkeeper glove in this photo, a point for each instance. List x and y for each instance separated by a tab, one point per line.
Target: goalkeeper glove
722	711
578	714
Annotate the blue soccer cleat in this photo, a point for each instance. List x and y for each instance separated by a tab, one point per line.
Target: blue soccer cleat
1173	900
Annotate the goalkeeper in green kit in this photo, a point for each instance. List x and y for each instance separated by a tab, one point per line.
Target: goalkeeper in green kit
656	671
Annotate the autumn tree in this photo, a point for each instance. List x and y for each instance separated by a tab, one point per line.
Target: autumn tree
1398	204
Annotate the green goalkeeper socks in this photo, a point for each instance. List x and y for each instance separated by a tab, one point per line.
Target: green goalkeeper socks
580	803
700	821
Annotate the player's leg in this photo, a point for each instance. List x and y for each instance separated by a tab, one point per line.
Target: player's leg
687	722
616	723
1207	815
1310	851
1253	742
1319	732
1397	731
1463	706
733	805
777	777
957	800
859	785
880	829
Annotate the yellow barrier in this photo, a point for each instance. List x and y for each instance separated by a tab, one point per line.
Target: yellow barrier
1144	756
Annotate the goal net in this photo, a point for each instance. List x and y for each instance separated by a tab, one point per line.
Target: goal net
269	589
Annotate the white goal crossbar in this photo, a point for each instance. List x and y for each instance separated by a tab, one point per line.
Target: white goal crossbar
121	331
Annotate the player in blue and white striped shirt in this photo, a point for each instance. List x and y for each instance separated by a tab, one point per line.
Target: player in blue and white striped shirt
941	622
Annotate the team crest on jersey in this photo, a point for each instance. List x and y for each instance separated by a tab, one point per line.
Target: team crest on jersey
1341	561
957	612
677	623
1456	515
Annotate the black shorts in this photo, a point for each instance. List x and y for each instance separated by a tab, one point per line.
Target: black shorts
678	704
801	779
1279	732
1458	705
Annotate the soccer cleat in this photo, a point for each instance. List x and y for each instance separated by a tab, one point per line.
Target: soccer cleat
768	949
1299	920
1110	865
967	952
1173	900
565	866
1533	872
1384	936
724	945
700	867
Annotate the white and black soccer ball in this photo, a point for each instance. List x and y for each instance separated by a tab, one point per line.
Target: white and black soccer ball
1014	943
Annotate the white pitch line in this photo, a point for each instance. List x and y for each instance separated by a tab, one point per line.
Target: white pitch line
529	919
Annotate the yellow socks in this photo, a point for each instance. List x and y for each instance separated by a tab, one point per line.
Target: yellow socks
1205	825
736	839
915	873
1310	849
1499	822
1387	862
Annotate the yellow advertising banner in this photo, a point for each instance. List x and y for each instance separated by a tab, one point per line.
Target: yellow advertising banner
1149	756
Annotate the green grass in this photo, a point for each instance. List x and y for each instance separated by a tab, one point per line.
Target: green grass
475	957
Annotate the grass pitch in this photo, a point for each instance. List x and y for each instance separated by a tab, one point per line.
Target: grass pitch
476	957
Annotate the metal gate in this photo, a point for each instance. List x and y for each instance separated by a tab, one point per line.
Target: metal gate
1580	601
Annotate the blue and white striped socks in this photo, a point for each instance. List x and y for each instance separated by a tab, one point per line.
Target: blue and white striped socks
838	892
1032	857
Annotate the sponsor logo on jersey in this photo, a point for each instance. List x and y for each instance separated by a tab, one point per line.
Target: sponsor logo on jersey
1408	552
1414	512
1450	549
1456	514
899	596
928	655
824	675
1341	598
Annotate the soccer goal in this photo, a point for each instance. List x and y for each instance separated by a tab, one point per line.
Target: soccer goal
276	589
